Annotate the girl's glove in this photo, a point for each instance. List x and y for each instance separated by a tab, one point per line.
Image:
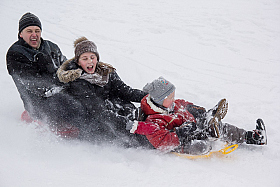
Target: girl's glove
53	91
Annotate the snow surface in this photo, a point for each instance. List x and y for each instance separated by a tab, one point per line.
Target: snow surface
208	49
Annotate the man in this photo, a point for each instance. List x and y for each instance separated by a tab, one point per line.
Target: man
32	62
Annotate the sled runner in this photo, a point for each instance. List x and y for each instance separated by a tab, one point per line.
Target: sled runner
221	152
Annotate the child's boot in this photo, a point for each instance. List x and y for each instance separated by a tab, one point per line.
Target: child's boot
257	136
213	128
210	119
219	111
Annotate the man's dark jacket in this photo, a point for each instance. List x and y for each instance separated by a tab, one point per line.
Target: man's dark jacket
34	71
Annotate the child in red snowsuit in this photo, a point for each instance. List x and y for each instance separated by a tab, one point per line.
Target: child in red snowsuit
178	125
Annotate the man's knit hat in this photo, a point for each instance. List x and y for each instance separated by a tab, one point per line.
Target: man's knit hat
28	19
83	45
159	89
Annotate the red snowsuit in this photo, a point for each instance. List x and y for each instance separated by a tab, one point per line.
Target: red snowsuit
158	125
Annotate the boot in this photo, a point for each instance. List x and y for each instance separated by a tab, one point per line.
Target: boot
213	128
257	136
210	120
219	111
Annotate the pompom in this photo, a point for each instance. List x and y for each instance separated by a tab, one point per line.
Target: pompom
79	40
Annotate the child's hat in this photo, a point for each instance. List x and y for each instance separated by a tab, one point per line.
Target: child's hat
83	45
159	89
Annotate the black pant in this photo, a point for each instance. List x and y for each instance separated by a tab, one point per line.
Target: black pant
58	109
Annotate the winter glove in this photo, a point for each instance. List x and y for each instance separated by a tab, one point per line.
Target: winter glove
53	91
132	126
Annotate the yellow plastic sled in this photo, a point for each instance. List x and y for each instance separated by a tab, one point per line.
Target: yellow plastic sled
224	151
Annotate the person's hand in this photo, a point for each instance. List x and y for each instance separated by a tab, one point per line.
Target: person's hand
132	126
53	91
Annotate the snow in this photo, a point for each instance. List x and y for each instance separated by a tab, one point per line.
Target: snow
208	49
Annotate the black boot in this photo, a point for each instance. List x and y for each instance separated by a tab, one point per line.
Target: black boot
257	136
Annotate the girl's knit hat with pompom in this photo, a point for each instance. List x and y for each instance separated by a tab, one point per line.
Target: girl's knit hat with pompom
83	45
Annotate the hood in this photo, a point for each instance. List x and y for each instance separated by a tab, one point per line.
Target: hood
69	71
65	74
149	108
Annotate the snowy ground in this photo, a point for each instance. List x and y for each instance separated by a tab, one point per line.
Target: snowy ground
208	49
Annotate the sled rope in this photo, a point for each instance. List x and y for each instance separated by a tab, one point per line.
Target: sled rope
224	151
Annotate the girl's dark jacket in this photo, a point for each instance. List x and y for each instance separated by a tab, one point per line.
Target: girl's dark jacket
109	88
101	99
33	70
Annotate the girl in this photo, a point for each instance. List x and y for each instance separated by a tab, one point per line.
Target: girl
107	100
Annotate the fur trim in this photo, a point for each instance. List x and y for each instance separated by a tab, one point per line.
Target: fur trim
79	40
134	127
101	66
154	107
65	75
